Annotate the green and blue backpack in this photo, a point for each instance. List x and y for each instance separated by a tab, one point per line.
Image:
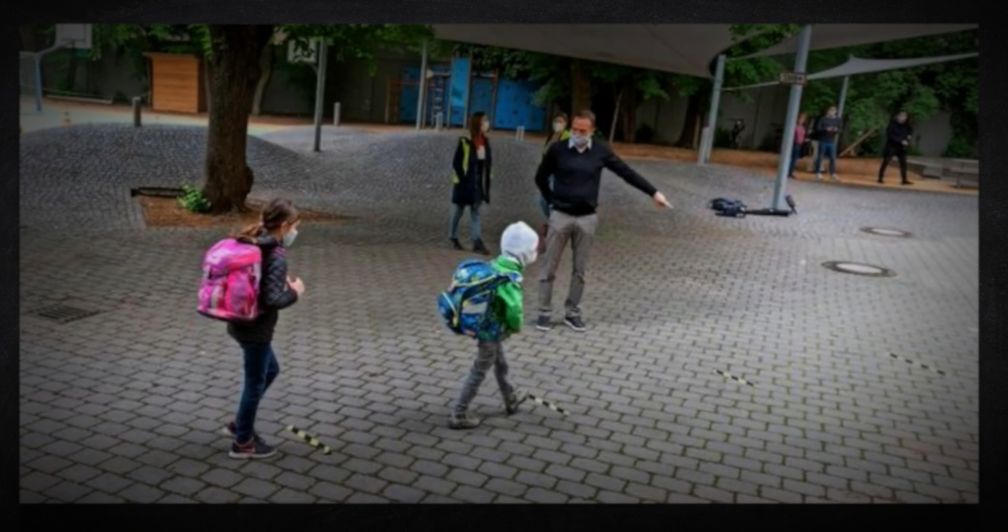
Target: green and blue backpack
465	306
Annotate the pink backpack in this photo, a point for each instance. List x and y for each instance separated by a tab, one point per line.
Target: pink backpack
230	287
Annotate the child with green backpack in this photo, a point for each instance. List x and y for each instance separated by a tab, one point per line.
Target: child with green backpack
485	302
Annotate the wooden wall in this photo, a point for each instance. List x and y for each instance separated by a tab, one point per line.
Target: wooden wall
178	83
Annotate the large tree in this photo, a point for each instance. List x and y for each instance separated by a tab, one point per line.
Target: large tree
233	75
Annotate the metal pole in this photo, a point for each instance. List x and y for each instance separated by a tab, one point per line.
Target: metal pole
794	102
336	113
320	92
469	80
446	96
38	71
421	85
136	111
704	156
843	96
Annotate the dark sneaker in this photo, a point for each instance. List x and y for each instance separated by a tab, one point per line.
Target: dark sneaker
544	323
254	448
574	322
512	403
464	420
456	244
906	183
232	429
478	247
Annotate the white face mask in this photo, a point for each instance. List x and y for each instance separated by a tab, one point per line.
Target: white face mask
485	126
288	239
580	140
558	127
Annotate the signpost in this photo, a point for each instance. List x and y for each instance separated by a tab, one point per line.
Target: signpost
792	78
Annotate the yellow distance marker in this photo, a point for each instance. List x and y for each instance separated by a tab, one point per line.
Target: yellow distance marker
547	404
309	439
736	379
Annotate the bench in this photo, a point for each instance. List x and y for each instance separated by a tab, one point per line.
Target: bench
966	172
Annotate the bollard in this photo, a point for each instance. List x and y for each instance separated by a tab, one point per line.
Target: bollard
335	114
437	121
136	111
520	133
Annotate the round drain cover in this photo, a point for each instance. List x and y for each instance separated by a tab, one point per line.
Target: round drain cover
858	268
881	231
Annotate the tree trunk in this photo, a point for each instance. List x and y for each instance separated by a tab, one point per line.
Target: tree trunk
686	138
628	115
580	88
206	82
615	117
234	73
266	64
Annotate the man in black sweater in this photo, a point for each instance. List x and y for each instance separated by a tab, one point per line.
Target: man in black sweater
577	169
897	139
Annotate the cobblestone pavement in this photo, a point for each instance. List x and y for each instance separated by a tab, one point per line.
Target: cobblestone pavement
127	405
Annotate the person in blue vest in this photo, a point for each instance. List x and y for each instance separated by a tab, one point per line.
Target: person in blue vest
560	133
471	180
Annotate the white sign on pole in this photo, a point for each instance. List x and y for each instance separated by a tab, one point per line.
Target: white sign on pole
305	55
792	78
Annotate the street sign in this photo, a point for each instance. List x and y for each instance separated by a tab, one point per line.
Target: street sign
295	55
792	78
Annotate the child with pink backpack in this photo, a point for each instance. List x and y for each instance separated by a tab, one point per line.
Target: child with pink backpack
245	283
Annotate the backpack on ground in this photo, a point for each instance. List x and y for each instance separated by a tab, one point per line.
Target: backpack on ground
229	290
728	207
466	303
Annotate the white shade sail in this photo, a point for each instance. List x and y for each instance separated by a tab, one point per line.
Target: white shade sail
859	65
679	48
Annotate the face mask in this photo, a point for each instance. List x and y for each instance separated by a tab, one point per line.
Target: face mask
485	126
288	239
558	126
580	140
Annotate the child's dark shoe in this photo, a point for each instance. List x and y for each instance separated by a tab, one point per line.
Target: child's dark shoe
511	403
465	420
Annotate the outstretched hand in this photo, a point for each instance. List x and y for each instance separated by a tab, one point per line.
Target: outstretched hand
661	201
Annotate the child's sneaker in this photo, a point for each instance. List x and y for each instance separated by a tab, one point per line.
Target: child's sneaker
511	403
254	448
465	420
544	323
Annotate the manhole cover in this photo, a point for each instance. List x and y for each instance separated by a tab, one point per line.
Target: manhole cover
881	231
858	268
64	313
